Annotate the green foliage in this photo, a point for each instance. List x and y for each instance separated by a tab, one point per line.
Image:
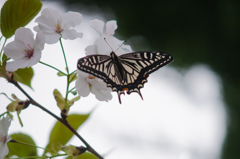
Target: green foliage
3	66
60	74
24	76
86	155
18	13
61	101
19	149
60	134
4	58
2	69
72	77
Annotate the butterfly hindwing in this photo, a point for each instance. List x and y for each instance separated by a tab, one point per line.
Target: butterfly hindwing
127	72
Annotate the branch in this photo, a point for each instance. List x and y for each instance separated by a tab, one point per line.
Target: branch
63	121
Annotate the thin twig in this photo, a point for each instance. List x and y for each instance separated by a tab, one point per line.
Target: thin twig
63	121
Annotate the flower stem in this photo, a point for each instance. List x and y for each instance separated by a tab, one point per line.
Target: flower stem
2	48
3	114
68	75
23	143
6	96
65	59
71	89
52	67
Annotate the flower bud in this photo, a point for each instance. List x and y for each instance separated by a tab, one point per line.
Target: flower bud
73	150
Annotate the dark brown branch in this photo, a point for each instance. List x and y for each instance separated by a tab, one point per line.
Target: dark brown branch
63	121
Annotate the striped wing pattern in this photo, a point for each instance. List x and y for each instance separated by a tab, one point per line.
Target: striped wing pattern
127	72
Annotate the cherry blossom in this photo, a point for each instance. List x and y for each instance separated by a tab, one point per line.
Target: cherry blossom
106	43
54	24
24	50
4	138
86	84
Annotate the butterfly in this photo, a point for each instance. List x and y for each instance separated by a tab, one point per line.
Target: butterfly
127	72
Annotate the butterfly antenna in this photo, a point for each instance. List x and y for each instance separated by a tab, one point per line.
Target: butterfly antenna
120	45
108	44
117	48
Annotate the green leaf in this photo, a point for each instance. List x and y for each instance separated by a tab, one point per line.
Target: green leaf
61	134
3	69
19	149
24	76
72	77
75	99
74	92
4	57
85	155
59	99
60	74
71	102
18	13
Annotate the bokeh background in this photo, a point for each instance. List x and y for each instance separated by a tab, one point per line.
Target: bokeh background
191	109
193	32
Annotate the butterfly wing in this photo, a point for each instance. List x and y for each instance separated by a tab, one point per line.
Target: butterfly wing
97	65
103	67
138	65
127	72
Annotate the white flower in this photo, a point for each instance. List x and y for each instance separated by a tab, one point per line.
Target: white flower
24	50
102	29
87	83
4	138
106	43
54	25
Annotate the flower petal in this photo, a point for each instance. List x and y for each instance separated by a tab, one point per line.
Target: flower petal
104	45
100	90
71	19
97	25
39	42
81	84
25	35
15	49
48	20
111	26
91	49
52	38
4	126
3	150
14	65
71	34
34	59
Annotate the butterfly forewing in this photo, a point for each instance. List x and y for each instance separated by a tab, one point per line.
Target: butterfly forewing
97	65
139	65
127	72
146	62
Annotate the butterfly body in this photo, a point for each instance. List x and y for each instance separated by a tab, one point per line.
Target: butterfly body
127	72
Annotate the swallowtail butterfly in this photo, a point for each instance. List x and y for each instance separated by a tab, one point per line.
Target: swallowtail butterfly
128	72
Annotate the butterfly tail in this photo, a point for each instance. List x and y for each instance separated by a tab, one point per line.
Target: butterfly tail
140	94
119	96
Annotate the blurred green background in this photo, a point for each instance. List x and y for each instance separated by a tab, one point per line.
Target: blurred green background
193	32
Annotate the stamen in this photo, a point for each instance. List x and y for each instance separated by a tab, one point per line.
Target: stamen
58	29
29	52
91	77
